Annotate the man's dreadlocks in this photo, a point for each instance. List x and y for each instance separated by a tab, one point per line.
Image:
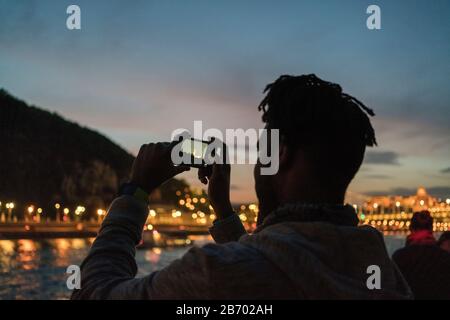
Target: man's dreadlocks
302	103
319	117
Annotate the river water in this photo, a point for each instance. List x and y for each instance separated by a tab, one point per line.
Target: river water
36	269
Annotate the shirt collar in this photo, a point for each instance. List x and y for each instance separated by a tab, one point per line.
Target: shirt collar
342	215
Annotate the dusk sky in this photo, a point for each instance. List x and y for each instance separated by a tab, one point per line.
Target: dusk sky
137	70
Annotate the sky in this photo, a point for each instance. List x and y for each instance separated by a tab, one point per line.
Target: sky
137	70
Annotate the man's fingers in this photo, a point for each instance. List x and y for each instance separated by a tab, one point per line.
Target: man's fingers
204	174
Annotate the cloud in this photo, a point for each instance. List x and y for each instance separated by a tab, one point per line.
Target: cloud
383	157
446	170
442	192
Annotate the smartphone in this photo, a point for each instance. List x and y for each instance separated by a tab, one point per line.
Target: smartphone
195	151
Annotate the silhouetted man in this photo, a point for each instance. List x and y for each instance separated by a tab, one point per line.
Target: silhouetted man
424	264
307	244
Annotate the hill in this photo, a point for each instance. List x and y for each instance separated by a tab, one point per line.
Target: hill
45	158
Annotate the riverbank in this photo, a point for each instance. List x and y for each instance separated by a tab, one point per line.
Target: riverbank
55	230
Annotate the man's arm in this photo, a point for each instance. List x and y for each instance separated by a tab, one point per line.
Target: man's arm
228	227
109	270
111	261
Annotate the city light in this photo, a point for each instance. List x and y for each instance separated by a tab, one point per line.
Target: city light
381	212
380	208
80	210
243	217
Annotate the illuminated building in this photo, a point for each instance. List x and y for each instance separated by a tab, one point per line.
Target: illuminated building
393	213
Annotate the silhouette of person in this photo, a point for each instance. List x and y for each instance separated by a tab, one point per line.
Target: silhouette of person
423	263
421	228
307	244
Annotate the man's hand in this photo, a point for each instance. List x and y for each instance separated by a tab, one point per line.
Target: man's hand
218	176
153	166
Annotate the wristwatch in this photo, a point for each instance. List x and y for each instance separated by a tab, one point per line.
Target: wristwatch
130	189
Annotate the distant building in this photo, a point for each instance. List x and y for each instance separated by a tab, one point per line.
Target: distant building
391	204
392	213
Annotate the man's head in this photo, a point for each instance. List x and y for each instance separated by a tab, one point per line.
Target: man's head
444	241
421	220
323	136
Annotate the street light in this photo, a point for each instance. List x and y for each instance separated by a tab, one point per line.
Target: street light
39	212
66	214
10	207
100	213
30	211
79	211
57	207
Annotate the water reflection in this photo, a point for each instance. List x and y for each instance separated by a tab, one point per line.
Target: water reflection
153	255
36	269
27	255
7	247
